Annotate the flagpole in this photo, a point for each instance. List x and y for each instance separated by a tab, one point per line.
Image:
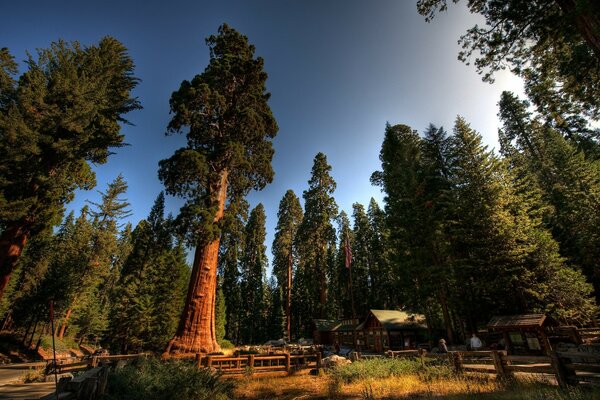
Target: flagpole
54	347
352	295
349	266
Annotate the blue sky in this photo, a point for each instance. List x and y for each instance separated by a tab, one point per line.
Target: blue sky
338	71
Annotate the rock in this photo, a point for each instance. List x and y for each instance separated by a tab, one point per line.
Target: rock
66	376
276	343
334	361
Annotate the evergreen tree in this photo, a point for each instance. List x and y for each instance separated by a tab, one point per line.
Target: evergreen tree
253	268
343	293
150	291
285	253
568	182
230	253
229	130
220	315
316	240
362	260
63	113
553	45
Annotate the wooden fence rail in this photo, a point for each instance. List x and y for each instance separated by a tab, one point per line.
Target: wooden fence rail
254	363
568	367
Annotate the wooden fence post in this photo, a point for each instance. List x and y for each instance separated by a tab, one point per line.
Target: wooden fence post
455	359
422	356
498	365
288	363
209	360
94	362
318	361
199	360
562	375
251	361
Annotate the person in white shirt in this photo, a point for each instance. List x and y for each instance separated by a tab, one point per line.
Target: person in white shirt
476	343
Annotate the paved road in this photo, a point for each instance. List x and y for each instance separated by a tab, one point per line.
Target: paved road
11	373
30	391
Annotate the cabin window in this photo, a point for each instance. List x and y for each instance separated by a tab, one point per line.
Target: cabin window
516	338
532	341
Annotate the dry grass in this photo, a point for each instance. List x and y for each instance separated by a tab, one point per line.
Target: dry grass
484	387
287	388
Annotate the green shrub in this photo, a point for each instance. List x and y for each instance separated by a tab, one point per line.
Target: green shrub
62	345
152	379
226	344
388	367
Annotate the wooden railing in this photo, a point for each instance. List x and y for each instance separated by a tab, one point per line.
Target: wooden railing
568	367
254	363
74	364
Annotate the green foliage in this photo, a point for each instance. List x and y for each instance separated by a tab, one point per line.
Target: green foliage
229	127
149	294
150	379
220	315
285	251
553	45
63	113
316	246
388	367
253	268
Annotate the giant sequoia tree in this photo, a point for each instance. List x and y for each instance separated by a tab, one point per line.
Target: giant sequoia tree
61	114
228	125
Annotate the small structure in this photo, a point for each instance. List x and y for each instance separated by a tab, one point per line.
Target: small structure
392	330
323	329
524	334
346	334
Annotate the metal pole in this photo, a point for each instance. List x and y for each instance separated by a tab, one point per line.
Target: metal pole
53	347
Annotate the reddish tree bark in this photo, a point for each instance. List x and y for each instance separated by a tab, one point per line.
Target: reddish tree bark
196	330
63	327
587	21
12	242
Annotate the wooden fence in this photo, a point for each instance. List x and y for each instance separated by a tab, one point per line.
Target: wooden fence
568	367
254	363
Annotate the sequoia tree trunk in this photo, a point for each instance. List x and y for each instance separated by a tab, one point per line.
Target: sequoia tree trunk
196	329
586	19
12	242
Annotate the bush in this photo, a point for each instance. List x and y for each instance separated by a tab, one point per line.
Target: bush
62	345
226	344
388	367
152	379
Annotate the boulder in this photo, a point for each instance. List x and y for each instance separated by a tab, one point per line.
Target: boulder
334	361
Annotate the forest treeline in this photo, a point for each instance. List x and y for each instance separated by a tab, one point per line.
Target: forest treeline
464	232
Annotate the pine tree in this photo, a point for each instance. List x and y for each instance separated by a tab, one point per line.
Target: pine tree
220	315
316	239
285	253
230	253
62	114
362	260
253	268
568	181
229	130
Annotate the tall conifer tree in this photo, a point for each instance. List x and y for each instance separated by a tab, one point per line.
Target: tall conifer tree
229	127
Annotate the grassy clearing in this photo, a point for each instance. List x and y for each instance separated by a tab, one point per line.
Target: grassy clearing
400	379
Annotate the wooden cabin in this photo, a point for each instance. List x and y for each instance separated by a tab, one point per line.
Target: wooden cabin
323	329
391	330
524	334
345	333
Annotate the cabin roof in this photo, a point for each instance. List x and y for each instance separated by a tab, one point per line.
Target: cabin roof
521	321
394	319
326	325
